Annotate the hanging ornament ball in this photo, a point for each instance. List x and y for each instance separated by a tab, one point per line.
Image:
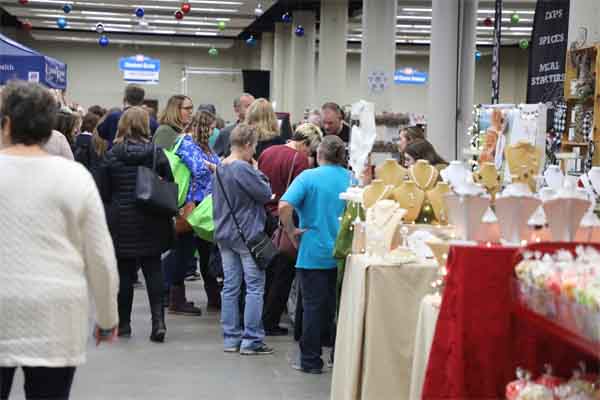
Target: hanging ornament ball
258	11
103	41
213	52
488	22
26	25
23	2
221	25
61	23
67	8
139	12
100	28
286	18
477	55
299	31
179	15
251	41
524	44
515	19
186	7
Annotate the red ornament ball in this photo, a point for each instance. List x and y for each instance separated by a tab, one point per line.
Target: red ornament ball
179	15
488	22
23	2
186	8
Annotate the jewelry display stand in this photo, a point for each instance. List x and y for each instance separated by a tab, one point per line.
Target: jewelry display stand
455	174
489	178
438	203
376	191
564	216
411	198
465	213
513	213
524	161
382	223
554	177
391	173
423	174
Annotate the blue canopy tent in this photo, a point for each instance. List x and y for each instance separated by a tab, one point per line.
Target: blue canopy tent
20	62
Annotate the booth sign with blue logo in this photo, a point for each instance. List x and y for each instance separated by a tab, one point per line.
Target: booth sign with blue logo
410	76
140	69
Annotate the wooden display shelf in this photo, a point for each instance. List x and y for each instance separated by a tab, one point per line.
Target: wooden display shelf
573	338
589	102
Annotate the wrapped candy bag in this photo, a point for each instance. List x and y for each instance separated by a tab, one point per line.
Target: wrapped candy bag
549	380
533	391
514	388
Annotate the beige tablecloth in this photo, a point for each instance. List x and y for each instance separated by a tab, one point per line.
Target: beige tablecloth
428	316
376	329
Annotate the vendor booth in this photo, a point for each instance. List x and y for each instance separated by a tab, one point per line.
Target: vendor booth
20	62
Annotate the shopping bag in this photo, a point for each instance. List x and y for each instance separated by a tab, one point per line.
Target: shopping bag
201	219
181	173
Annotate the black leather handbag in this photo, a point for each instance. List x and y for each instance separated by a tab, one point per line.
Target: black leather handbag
260	246
154	194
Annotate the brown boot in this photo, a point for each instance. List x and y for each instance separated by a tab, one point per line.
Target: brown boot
178	304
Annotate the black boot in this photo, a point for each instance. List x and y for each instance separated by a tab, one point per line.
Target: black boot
159	329
125	302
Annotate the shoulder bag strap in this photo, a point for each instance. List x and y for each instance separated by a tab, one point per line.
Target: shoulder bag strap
230	208
291	171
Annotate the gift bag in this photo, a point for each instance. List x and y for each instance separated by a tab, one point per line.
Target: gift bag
201	219
181	173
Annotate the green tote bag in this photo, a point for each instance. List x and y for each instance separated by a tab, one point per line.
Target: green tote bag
201	219
181	172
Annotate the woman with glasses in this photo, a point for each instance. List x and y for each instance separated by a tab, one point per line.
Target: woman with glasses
174	120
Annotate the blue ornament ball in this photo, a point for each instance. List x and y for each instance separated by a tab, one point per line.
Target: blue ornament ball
251	41
103	41
477	55
286	18
299	31
61	23
67	8
139	12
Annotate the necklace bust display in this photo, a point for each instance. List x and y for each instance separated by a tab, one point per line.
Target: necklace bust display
523	162
376	191
411	198
489	178
438	203
391	173
382	222
554	177
455	174
423	174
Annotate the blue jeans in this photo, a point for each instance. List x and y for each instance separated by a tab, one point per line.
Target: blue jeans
238	266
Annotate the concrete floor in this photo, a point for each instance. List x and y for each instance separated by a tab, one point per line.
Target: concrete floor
190	365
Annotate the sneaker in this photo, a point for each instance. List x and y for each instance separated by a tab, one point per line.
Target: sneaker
194	276
277	331
262	350
314	371
233	349
124	331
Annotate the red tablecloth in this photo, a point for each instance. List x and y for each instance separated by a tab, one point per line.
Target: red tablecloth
478	344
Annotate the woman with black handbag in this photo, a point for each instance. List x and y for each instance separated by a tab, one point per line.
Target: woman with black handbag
141	231
240	192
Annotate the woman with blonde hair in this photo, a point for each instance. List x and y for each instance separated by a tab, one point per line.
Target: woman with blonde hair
262	117
196	154
139	236
175	119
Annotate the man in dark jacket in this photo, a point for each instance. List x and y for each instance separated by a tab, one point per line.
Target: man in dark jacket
240	105
134	96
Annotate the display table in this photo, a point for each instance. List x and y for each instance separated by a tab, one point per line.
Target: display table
376	327
478	344
428	316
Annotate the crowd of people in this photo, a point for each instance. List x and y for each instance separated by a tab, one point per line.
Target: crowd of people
67	229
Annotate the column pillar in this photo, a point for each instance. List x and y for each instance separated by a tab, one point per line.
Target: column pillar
468	47
281	53
443	77
301	71
584	14
378	50
332	51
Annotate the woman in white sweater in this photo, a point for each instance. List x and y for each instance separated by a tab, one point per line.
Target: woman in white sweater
55	248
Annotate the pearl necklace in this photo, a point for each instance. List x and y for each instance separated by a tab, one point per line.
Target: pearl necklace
382	214
429	181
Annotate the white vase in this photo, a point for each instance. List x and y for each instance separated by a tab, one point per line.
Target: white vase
564	216
465	213
554	177
513	214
